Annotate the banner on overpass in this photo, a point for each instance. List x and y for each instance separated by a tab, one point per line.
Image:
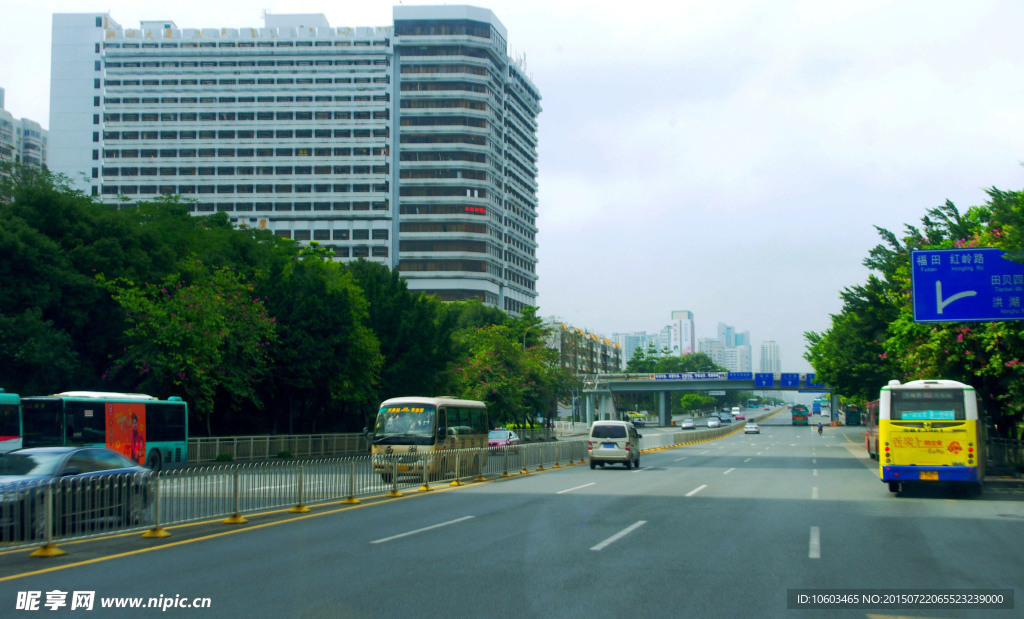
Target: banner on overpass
691	376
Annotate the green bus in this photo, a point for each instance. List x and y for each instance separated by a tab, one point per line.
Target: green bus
10	421
147	430
851	416
800	415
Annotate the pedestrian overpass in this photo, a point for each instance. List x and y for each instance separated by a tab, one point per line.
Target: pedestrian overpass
600	389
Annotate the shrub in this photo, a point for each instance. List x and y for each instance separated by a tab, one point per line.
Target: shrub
224	458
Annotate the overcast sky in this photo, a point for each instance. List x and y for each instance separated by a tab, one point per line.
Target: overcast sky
725	157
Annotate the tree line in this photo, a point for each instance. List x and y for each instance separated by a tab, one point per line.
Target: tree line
874	338
257	333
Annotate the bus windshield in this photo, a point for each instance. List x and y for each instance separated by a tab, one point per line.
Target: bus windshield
405	425
928	405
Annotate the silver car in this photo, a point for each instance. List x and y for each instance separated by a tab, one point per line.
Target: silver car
751	428
687	424
714	422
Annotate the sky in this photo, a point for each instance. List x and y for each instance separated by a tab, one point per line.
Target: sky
731	158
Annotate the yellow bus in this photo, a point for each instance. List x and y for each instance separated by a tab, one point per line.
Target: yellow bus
929	431
413	433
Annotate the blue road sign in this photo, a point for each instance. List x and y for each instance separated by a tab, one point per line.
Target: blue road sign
741	375
966	285
790	380
764	380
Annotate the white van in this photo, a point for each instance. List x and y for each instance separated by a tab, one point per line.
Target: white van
614	442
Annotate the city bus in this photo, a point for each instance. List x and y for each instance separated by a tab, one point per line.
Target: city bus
800	415
929	431
147	430
411	432
870	418
10	421
851	415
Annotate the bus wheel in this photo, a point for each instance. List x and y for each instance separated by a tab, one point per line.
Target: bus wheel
154	460
894	486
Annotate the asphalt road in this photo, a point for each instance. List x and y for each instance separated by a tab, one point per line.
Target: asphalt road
727	528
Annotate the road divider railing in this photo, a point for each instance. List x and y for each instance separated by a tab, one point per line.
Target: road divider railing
46	513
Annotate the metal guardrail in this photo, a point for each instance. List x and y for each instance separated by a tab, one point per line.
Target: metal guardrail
43	513
263	447
1006	454
208	449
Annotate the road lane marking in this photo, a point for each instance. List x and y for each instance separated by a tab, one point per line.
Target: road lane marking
417	531
611	540
814	493
576	488
678	459
747	460
696	490
814	460
704	452
729	471
814	551
815	472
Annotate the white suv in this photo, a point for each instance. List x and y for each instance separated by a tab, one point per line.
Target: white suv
614	442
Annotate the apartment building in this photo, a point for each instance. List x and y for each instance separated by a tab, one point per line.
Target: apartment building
412	144
22	140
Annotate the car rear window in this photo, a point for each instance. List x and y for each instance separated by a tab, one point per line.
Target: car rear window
608	431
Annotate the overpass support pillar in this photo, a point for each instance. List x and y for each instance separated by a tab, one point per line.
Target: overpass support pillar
664	409
590	408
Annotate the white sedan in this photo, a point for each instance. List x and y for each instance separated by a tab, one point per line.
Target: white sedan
713	422
751	428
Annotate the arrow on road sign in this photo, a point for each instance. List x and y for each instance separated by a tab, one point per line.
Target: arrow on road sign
941	305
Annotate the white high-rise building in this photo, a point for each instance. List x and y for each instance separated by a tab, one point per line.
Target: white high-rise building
683	341
412	144
771	360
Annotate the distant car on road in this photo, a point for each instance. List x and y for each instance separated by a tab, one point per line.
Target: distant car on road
687	424
502	438
639	422
767	408
714	422
740	416
751	428
725	418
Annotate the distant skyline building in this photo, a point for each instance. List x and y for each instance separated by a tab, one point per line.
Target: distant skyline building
22	140
682	339
730	350
412	144
771	360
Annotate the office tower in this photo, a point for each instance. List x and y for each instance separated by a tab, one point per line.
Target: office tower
413	144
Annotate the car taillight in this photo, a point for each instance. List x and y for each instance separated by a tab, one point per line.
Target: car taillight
590	445
627	445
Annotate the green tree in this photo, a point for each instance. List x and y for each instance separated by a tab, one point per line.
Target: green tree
414	330
327	360
201	332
